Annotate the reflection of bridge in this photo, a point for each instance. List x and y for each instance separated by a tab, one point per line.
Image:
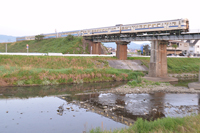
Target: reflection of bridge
118	112
104	112
158	59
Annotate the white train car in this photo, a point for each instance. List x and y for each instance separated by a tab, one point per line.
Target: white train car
181	25
25	38
169	26
50	35
74	33
101	31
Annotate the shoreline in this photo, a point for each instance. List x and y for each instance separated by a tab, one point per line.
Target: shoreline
163	87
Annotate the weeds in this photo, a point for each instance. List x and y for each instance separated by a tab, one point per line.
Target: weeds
190	124
175	65
58	70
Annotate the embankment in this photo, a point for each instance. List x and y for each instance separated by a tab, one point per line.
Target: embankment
47	70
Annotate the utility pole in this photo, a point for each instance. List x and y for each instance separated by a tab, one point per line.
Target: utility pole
27	48
6	47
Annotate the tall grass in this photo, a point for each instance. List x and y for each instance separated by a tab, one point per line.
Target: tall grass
51	62
175	65
45	70
188	124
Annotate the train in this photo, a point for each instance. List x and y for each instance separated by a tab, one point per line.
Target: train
168	26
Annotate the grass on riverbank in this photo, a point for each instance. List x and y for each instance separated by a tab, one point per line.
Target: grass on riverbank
46	70
54	45
175	65
188	124
138	81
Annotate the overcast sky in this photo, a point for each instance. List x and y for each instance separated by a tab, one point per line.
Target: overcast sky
32	17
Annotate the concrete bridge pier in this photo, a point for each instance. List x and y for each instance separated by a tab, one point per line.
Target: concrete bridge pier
158	62
158	59
93	47
121	52
96	48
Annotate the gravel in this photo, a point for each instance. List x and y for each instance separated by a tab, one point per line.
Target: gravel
163	87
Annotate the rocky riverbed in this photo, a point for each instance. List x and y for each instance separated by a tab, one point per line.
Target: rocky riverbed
163	87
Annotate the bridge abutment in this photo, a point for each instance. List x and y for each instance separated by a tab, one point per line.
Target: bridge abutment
121	52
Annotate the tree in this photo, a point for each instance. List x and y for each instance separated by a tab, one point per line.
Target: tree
146	48
39	37
70	37
174	46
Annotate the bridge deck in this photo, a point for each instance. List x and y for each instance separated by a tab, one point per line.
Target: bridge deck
131	37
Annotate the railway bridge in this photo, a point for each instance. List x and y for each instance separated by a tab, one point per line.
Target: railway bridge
158	59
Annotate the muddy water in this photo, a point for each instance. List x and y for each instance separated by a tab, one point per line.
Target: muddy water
79	108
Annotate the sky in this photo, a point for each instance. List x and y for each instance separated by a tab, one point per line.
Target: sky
33	17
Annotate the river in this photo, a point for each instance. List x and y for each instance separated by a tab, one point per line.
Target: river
82	107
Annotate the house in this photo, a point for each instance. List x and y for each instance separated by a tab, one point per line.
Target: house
182	47
194	47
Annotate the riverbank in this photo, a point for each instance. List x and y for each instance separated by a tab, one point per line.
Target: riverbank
50	70
151	88
189	124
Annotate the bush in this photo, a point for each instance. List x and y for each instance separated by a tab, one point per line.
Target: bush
70	37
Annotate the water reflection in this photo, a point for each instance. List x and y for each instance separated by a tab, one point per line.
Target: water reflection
34	91
127	108
83	103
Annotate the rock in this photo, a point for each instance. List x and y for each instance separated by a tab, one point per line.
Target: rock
105	107
118	106
6	111
145	113
154	109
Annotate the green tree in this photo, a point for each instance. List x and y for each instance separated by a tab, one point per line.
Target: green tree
146	48
70	37
174	46
39	37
